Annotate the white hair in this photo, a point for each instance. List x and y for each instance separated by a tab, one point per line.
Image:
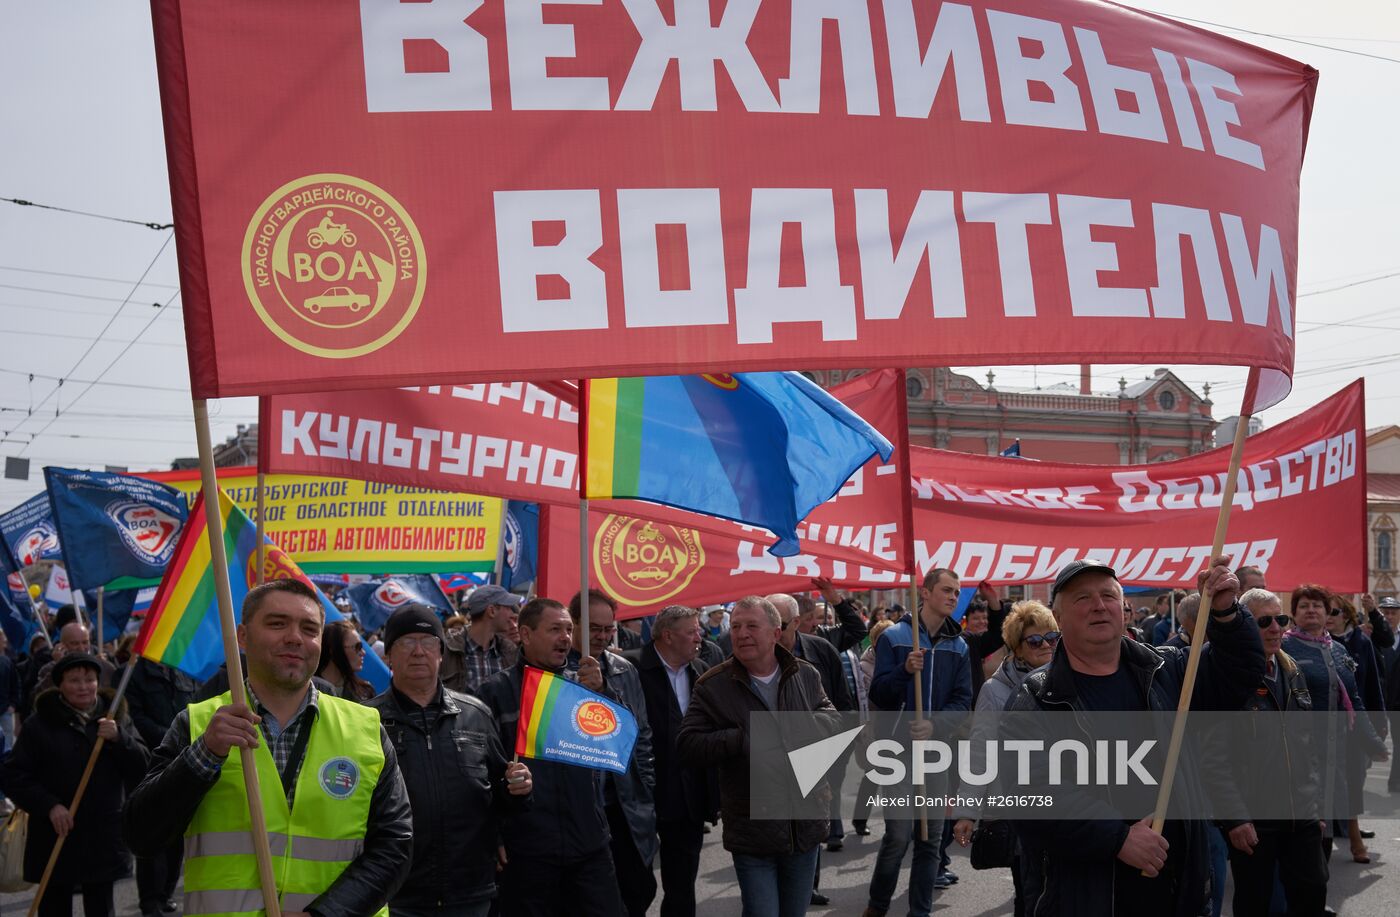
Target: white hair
763	605
781	600
1257	597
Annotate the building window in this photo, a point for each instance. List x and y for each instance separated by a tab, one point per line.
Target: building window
1385	554
913	387
1167	401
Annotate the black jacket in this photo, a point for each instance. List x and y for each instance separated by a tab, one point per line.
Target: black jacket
683	792
454	768
43	771
827	662
1073	864
566	821
715	734
635	789
1233	762
162	807
848	630
155	695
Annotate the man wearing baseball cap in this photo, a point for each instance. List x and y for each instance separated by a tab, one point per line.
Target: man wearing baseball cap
484	648
460	782
1124	867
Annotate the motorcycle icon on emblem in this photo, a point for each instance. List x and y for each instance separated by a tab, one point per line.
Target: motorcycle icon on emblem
329	232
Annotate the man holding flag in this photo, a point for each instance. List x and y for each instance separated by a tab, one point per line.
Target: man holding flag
557	855
337	812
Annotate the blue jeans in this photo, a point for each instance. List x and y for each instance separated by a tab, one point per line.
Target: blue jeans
776	886
898	834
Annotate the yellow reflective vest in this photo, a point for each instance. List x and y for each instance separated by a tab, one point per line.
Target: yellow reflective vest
312	842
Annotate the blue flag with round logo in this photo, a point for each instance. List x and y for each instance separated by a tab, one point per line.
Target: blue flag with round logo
29	531
116	530
374	601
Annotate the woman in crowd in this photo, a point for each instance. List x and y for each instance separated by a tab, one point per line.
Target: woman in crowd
1344	624
1032	635
1331	676
43	772
342	657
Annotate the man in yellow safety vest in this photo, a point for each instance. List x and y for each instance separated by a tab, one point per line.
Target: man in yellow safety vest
339	823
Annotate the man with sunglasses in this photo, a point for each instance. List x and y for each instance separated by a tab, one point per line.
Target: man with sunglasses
1105	866
1256	761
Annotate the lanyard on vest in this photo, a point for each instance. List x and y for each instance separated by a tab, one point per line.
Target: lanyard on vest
289	773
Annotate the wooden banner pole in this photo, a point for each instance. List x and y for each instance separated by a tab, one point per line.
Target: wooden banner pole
583	602
219	556
1198	634
262	525
918	689
100	642
82	782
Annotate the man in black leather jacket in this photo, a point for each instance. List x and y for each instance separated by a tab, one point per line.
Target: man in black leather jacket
558	857
460	782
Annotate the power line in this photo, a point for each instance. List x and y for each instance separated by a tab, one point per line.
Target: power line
85	213
79	337
35	270
120	299
136	385
1299	41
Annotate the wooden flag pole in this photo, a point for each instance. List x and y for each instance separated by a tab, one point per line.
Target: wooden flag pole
261	525
583	602
219	556
82	782
918	691
101	593
34	608
1198	635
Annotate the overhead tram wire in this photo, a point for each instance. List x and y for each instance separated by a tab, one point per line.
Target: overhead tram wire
132	292
85	213
136	385
1297	41
70	274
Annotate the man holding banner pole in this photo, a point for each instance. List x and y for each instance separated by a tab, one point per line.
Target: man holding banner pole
334	803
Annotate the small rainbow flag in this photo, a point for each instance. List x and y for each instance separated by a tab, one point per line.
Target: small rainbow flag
182	627
561	720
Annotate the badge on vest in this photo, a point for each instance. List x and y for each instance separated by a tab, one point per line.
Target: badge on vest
339	777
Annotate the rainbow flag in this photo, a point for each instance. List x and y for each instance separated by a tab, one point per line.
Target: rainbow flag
761	449
561	720
182	626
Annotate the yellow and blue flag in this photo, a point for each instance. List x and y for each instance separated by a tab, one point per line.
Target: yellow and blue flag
757	448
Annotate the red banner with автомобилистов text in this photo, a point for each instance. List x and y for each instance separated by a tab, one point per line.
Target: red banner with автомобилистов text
446	192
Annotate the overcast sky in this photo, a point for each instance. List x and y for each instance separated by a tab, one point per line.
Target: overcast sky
81	118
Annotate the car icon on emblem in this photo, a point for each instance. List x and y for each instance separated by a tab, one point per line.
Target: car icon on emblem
652	573
337	298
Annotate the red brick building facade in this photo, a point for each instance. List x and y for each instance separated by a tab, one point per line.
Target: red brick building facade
1152	420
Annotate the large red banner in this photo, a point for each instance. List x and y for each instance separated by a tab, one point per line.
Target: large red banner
1299	511
389	193
520	441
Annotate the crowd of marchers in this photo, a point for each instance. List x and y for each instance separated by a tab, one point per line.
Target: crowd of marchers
412	801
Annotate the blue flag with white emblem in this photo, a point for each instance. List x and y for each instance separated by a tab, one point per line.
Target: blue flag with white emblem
374	601
522	537
116	530
30	533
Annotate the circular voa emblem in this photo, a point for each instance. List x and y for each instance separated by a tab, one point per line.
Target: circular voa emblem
593	720
339	777
642	563
333	265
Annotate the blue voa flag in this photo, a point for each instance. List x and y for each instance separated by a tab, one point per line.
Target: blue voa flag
15	586
522	537
30	533
117	530
374	601
17	624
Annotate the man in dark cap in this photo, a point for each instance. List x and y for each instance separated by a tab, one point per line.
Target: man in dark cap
1104	866
484	647
460	782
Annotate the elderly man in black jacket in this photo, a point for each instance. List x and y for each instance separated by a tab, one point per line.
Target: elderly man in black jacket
628	797
1097	866
460	782
558	855
686	796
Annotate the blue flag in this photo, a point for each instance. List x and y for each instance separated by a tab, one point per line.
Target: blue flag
118	605
758	448
18	625
522	537
1013	450
15	585
374	601
116	530
30	533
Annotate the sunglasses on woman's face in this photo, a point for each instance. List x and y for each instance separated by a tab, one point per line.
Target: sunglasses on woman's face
1036	641
1266	620
1333	612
